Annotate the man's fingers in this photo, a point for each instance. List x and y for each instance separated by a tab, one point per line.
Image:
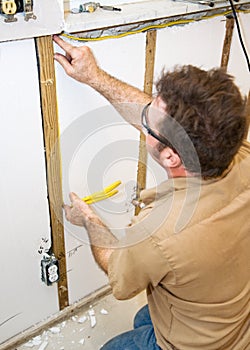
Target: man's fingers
64	60
73	196
77	202
67	210
65	63
63	44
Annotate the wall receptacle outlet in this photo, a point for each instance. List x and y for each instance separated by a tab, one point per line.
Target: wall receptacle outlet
49	269
9	7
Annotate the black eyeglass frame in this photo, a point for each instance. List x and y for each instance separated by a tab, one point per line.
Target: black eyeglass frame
150	131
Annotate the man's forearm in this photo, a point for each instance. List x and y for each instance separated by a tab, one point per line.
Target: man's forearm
102	240
127	99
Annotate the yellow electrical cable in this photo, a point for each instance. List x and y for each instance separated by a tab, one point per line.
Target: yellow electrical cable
153	26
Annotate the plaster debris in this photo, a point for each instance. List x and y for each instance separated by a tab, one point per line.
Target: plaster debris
104	312
82	341
92	318
63	324
34	342
45	335
82	319
55	330
74	318
37	340
43	345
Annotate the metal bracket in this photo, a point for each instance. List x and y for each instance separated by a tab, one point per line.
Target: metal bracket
10	19
28	10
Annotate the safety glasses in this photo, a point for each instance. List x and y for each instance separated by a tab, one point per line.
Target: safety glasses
148	130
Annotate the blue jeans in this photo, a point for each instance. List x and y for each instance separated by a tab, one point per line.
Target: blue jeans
142	337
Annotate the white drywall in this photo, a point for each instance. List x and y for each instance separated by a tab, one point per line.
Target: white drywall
24	298
198	43
237	62
201	44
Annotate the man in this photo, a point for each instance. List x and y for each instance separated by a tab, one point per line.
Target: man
192	253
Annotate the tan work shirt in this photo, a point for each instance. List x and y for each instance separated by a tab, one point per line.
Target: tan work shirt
190	248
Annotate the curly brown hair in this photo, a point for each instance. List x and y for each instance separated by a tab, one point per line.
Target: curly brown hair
210	108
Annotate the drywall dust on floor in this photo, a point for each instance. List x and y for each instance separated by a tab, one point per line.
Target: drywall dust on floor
90	327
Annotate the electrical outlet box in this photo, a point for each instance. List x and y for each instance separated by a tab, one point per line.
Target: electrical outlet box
49	269
23	19
16	6
9	8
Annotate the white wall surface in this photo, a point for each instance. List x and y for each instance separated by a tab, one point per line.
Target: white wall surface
198	43
201	44
237	62
24	298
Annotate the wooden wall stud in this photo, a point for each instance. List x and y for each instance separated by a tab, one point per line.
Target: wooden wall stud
227	42
148	85
45	53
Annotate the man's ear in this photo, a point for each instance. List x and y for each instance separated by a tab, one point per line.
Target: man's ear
170	159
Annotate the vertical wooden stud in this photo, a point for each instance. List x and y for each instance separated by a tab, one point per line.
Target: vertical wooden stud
227	42
150	61
45	55
148	85
225	59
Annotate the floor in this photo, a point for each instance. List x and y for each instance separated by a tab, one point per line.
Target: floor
90	327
